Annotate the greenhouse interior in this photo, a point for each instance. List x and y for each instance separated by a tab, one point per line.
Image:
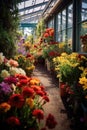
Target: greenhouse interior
43	64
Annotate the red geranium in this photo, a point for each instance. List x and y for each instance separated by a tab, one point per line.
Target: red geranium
28	92
39	114
16	100
51	122
13	121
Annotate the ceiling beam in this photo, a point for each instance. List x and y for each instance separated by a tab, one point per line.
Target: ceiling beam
33	25
33	6
30	19
30	14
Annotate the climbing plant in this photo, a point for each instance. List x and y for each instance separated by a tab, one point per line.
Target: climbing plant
40	28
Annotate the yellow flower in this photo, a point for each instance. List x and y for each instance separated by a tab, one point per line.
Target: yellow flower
30	102
4	107
83	80
34	81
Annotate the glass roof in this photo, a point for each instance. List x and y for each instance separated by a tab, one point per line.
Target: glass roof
31	10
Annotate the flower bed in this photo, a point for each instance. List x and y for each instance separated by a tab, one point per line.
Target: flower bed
21	99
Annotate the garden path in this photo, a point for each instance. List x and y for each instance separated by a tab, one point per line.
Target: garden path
55	106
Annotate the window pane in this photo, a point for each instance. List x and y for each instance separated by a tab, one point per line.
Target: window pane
59	22
69	37
83	34
70	16
84	10
59	37
64	35
83	28
63	19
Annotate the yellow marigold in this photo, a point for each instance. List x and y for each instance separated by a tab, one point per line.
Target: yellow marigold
4	107
30	102
34	81
64	54
61	45
85	87
30	68
83	80
81	68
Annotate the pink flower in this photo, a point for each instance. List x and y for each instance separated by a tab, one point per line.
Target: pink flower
13	63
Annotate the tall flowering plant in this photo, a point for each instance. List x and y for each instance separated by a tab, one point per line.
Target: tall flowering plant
48	35
21	101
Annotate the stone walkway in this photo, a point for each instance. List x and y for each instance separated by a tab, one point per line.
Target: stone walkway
55	106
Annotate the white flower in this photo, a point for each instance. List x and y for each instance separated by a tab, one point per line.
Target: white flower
1	58
4	73
21	71
14	70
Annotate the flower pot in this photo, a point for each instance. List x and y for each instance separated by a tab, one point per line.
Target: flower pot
62	89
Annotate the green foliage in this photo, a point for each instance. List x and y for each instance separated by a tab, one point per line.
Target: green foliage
9	23
40	28
30	38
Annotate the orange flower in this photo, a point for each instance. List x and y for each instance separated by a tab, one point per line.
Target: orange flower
46	35
4	107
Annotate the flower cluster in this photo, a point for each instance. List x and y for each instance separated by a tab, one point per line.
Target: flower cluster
21	100
48	35
26	63
68	67
84	39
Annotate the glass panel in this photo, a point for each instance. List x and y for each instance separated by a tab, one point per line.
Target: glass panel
84	28
69	38
59	22
83	37
63	19
51	23
70	16
84	10
59	37
63	36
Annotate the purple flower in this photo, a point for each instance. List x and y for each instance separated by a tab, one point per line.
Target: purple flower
10	80
5	88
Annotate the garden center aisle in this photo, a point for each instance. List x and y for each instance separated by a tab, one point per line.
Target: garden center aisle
55	106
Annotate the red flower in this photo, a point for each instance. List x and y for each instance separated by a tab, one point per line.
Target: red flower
46	98
20	76
28	92
51	32
39	114
51	122
23	81
13	121
46	35
39	92
16	100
